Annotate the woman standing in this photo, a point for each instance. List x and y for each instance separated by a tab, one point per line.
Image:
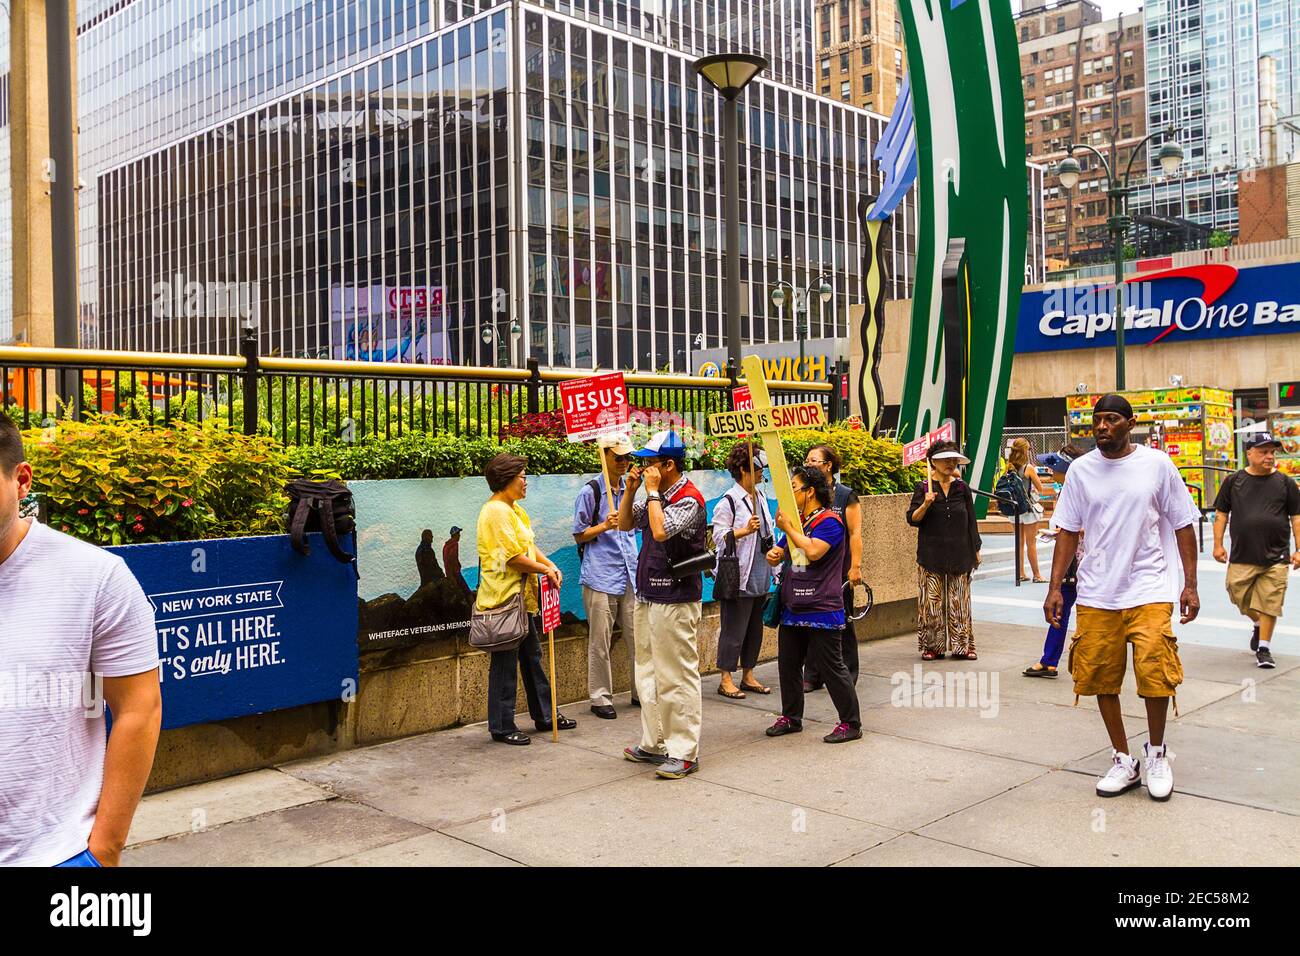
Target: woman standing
812	608
947	550
744	513
1018	464
509	563
844	502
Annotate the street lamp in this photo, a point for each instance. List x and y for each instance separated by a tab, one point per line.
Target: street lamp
1067	171
491	335
821	286
729	74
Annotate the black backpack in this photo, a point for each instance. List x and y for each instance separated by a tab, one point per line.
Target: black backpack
1012	499
324	506
594	485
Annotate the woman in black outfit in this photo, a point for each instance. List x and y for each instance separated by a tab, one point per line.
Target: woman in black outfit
947	551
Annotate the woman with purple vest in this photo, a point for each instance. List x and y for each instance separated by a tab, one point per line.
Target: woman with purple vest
812	608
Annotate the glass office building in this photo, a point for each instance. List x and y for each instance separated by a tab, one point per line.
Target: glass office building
418	181
1202	61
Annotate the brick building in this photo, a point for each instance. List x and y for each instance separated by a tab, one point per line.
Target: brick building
1085	82
861	53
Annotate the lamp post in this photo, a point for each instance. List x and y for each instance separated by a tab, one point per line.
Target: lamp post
821	285
1068	169
490	335
729	74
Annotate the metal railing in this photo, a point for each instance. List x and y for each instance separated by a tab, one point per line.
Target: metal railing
318	401
1041	439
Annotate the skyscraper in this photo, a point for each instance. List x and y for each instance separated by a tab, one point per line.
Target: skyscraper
1202	59
411	180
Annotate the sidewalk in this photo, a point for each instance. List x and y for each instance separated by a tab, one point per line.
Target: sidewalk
1005	780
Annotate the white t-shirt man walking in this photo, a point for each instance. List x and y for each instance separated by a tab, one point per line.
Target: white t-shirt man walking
1139	517
76	633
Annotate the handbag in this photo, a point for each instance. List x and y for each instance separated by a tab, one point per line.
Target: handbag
726	578
500	628
772	609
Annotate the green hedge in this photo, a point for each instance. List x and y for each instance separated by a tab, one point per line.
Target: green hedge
872	466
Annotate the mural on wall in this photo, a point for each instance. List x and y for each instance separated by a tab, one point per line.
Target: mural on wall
418	578
964	76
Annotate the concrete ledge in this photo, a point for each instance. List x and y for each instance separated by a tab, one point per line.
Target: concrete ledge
443	682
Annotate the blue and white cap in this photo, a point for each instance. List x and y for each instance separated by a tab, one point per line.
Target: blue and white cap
665	444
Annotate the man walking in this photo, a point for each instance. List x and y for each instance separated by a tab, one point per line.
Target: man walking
609	558
1264	508
68	789
451	559
672	526
1138	514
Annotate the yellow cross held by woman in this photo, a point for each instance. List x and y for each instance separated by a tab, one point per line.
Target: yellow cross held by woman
767	421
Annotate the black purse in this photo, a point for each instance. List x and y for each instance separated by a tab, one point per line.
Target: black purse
726	579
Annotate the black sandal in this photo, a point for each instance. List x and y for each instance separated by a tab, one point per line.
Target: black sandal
514	738
756	689
1032	671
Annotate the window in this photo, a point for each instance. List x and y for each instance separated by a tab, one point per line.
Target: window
898	31
1060	24
844	63
846	90
844	34
1024	33
866	83
866	56
898	59
826	67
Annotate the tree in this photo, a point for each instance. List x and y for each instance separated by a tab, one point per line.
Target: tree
1219	239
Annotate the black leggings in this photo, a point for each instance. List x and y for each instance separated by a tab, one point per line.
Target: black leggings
821	647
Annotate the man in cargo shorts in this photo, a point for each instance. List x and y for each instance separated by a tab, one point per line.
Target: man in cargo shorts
1263	505
1138	513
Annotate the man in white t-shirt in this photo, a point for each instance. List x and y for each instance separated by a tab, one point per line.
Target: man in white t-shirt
1138	513
76	633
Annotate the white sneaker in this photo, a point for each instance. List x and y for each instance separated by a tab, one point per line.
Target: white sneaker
1124	774
1160	775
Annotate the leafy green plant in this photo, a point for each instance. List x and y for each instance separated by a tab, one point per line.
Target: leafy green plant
115	480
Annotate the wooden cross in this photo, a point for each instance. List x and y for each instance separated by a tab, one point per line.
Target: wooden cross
767	421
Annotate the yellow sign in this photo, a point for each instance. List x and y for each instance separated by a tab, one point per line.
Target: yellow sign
757	420
767	421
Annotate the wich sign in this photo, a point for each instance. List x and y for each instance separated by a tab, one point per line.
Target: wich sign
1210	301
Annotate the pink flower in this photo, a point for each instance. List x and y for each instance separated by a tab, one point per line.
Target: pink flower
66	528
83	511
138	528
117	517
187	502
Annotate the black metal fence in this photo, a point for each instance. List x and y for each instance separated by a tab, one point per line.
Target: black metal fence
307	401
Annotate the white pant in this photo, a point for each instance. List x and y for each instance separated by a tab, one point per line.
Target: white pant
603	610
668	678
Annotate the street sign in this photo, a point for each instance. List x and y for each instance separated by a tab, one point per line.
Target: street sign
594	406
914	451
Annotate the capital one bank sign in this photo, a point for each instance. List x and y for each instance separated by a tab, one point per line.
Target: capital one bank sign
1187	304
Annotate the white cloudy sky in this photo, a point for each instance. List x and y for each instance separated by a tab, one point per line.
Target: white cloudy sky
1108	7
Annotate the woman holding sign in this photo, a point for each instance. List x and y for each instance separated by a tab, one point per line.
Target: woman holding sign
812	608
509	562
947	550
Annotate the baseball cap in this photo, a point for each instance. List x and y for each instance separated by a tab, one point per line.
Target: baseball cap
618	444
454	530
665	444
1259	439
1056	461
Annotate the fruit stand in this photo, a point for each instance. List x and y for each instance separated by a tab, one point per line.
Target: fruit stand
1192	424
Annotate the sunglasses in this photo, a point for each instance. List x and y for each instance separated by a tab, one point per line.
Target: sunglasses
815	464
622	458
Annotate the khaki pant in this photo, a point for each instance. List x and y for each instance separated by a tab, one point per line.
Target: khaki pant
1258	588
668	678
603	611
1099	651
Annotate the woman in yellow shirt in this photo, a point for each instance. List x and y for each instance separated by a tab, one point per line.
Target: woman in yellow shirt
509	561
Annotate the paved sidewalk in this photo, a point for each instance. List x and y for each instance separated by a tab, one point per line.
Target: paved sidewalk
999	777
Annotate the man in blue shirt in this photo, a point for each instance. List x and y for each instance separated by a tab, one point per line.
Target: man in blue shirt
608	577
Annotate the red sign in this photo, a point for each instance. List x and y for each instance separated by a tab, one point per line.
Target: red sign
419	300
741	400
550	601
594	406
914	451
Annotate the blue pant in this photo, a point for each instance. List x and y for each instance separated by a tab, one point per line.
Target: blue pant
503	684
1055	642
84	858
